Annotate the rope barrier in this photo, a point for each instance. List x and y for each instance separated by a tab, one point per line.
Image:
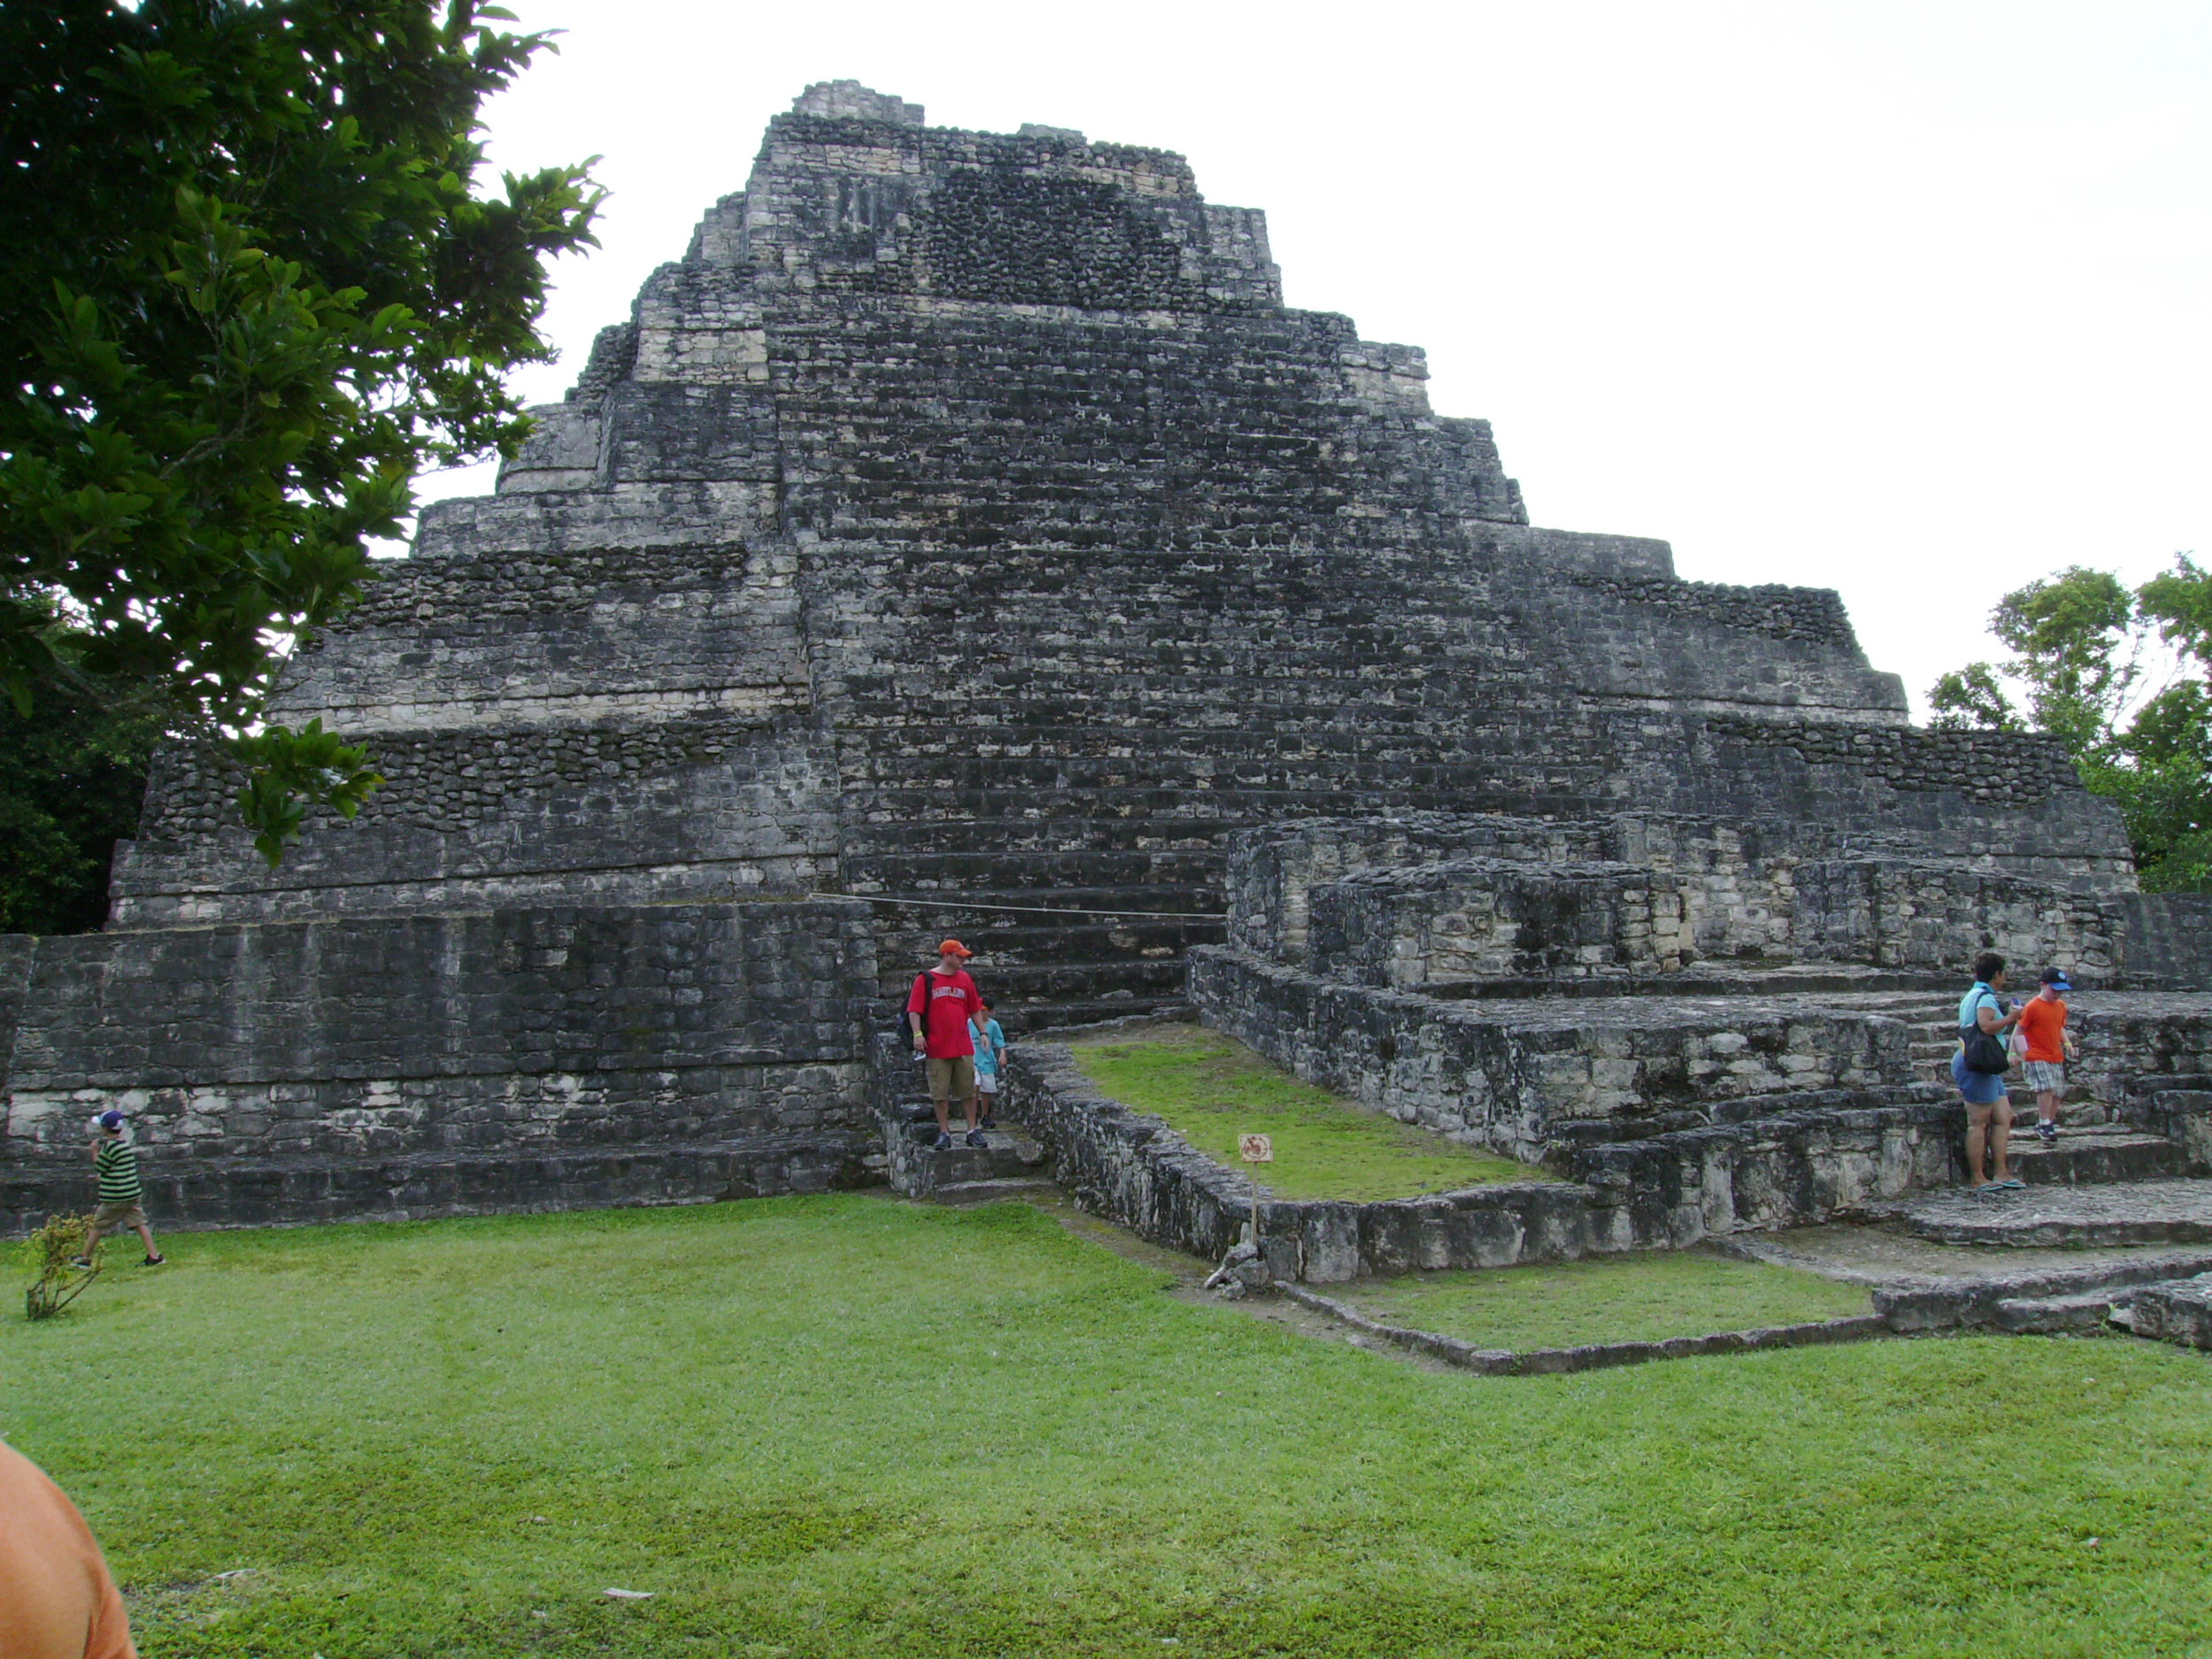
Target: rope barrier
1026	909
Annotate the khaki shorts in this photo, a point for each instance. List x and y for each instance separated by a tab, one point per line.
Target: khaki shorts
952	1078
118	1213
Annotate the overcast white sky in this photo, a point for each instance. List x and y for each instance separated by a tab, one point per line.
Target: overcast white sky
1909	300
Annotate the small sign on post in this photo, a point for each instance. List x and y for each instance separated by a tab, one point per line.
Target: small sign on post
1256	1149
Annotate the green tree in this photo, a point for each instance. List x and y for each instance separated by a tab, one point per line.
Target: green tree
247	289
2138	722
71	776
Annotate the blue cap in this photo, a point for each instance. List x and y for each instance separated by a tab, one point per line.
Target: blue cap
2056	977
111	1120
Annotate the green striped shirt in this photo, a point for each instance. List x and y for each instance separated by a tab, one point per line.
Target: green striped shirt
117	1167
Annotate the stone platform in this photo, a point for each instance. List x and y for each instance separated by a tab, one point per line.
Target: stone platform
2136	1212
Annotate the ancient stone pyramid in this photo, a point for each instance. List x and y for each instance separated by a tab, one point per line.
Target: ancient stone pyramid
964	514
964	519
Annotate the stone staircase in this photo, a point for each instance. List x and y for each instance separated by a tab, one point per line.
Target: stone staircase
2172	1210
1010	1165
1935	1041
2093	1156
2104	1183
2164	1293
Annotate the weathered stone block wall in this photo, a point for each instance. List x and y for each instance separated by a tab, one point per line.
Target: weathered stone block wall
1528	1078
1875	897
1788	1170
2150	1058
1907	914
1273	870
1736	877
1475	919
18	953
732	1030
612	724
2168	939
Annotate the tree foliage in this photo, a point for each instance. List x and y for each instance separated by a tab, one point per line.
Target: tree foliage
72	773
2137	721
247	289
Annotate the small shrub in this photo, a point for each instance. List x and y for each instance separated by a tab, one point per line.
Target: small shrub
52	1252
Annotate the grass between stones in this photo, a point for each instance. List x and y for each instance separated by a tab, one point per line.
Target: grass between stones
1213	1088
834	1425
1641	1298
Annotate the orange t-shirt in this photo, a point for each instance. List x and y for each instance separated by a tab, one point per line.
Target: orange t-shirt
57	1600
2043	1023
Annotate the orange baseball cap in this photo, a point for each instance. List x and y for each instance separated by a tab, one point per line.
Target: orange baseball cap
954	948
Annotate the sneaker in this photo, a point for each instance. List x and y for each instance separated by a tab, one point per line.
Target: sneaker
943	1143
154	1261
989	1122
2045	1132
81	1262
975	1138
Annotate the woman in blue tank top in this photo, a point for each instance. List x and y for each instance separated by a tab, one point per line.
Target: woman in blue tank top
1988	1108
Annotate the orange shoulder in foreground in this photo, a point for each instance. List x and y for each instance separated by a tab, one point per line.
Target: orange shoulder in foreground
57	1599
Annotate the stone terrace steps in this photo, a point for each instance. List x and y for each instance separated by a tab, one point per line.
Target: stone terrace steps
2173	1211
1933	1043
1010	1165
2086	1156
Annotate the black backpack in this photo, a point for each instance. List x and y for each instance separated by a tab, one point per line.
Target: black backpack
1985	1051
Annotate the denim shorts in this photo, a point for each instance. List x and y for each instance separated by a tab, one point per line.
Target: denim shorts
1980	1088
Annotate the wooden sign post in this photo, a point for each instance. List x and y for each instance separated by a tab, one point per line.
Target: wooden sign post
1256	1149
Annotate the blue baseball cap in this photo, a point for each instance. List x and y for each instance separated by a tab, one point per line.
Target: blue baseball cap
2056	977
111	1120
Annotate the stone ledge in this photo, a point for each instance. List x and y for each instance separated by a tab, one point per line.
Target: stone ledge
214	1194
2179	1312
1550	1362
1931	1304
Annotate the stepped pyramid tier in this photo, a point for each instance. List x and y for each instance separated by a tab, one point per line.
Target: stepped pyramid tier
963	518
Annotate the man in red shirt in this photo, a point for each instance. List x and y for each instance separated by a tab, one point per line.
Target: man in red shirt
943	1000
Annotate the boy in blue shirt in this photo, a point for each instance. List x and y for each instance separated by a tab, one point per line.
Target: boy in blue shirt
990	1049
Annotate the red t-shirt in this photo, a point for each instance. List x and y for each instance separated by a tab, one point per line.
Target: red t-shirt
946	1002
2043	1023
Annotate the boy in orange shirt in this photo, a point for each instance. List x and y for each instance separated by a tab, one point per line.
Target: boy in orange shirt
2043	1023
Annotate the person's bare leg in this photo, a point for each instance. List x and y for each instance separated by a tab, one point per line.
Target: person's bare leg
91	1242
968	1106
147	1233
944	1116
2047	1106
1976	1136
2000	1138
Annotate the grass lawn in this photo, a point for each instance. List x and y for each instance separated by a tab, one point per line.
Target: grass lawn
837	1426
1642	1298
1213	1088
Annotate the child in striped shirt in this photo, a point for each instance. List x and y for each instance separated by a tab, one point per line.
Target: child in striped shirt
115	1160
